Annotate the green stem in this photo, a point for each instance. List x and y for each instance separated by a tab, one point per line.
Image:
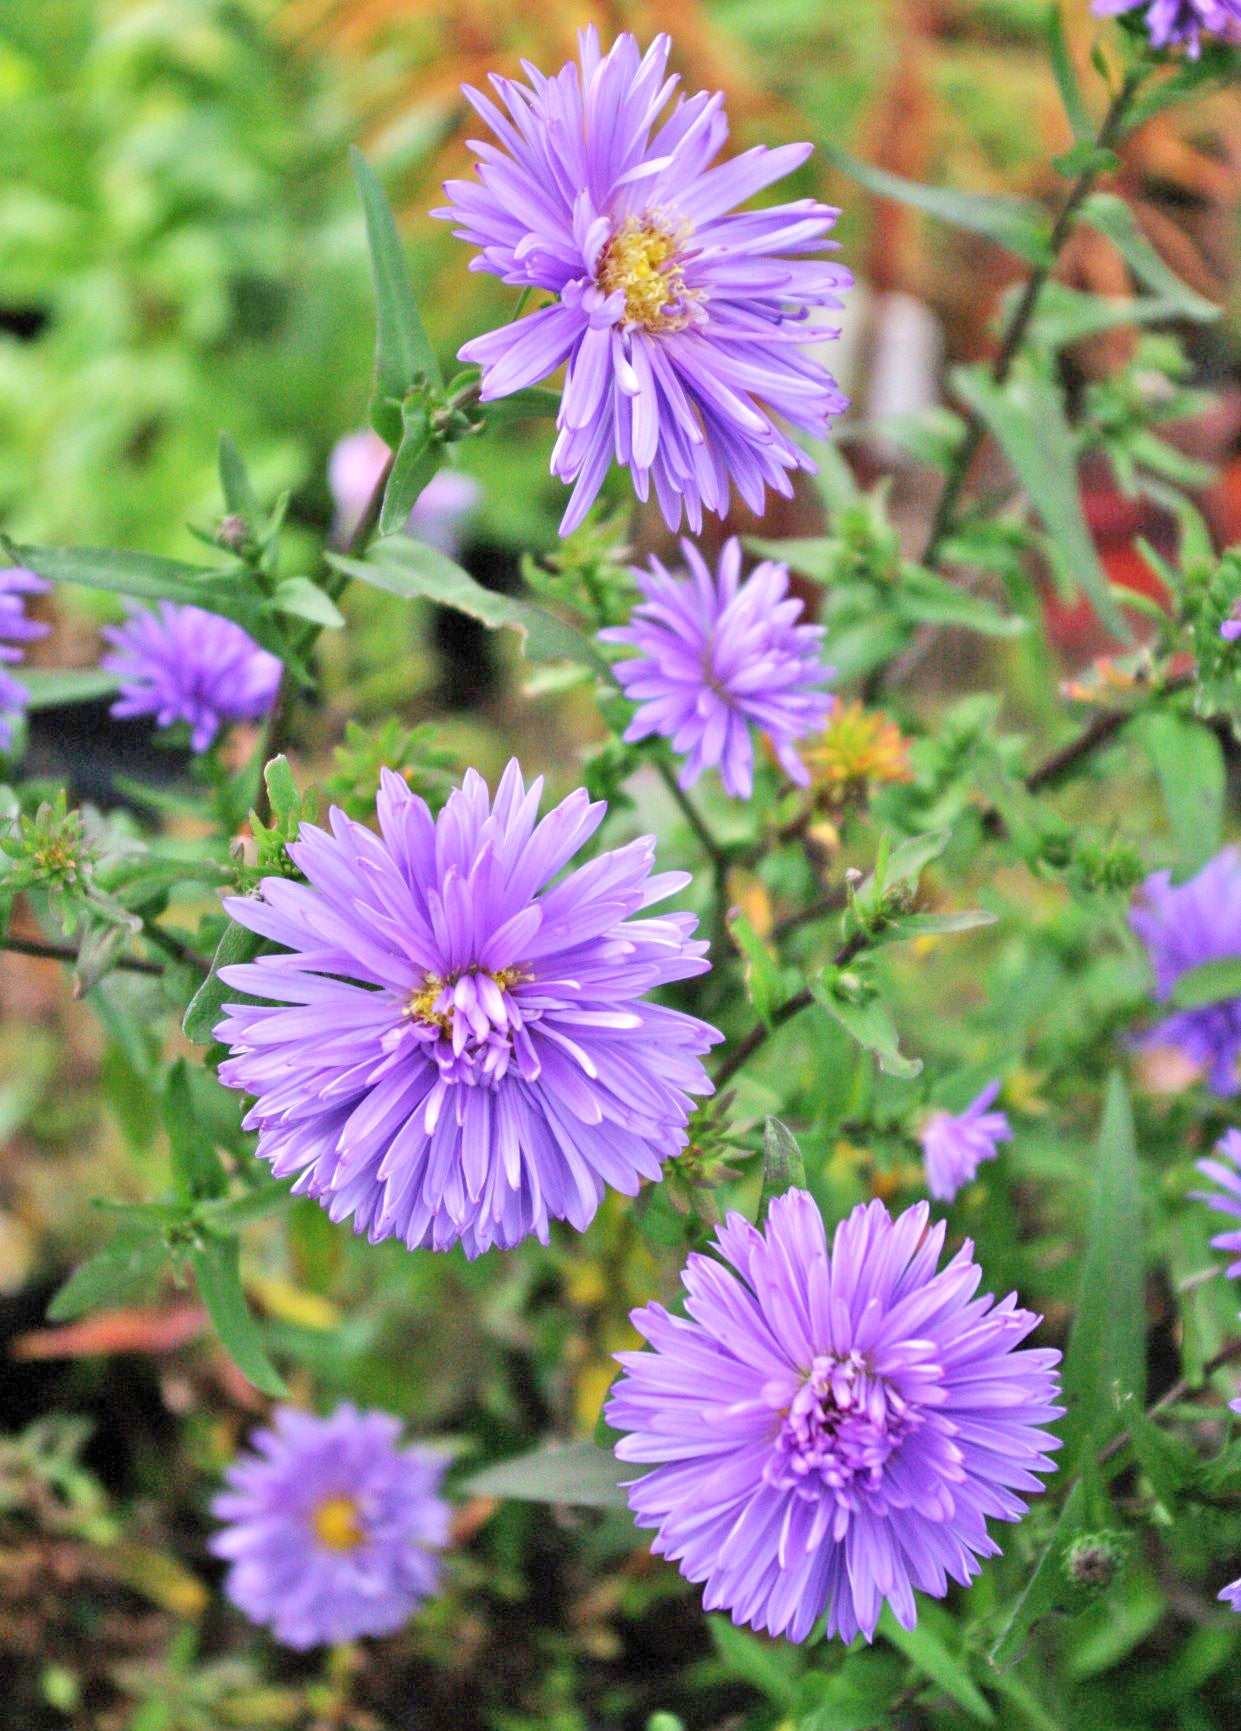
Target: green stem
758	1035
66	953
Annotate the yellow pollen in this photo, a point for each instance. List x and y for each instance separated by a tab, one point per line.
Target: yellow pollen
421	1006
337	1525
641	260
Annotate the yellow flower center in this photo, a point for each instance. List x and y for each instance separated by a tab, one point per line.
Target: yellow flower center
642	261
421	1006
337	1524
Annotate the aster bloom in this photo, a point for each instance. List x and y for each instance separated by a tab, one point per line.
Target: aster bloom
1227	1198
15	629
684	323
331	1527
827	1431
440	511
462	1049
716	654
955	1145
180	663
1182	927
1230	630
1176	23
1231	1595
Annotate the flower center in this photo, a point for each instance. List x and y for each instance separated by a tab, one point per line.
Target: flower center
643	261
468	1020
838	1432
338	1524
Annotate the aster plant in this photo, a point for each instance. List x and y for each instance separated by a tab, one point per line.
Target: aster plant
331	1528
364	1028
719	655
1179	23
684	323
829	1429
461	1047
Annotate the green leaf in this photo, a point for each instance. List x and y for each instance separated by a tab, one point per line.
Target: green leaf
783	1166
906	927
281	789
115	1274
414	464
403	353
237	944
760	970
1189	764
1043	1589
1017	224
1066	78
304	599
534	403
1170	1463
1026	417
932	600
1209	983
228	1213
1067	315
145	577
1106	1357
904	864
414	570
923	1648
768	1666
1086	157
578	1473
54	688
217	1267
197	1171
866	1017
239	495
1113	218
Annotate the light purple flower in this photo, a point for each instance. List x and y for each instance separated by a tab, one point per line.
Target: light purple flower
463	1049
1227	1198
15	629
716	654
440	511
955	1145
830	1431
1231	1595
182	664
1171	23
685	323
1184	926
331	1527
1230	630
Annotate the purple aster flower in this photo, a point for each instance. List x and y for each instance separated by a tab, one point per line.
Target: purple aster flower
1171	23
827	1431
684	323
714	655
955	1145
15	629
1227	1198
1230	630
462	1047
1182	927
183	664
331	1527
440	511
1231	1595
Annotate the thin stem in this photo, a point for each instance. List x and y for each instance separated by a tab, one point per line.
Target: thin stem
1023	314
1179	1389
745	1049
49	952
711	847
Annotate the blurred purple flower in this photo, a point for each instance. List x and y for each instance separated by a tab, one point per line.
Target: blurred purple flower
955	1145
1184	926
15	629
460	1047
1172	23
331	1526
440	512
1231	1595
829	1431
182	664
674	312
1230	630
714	656
1227	1198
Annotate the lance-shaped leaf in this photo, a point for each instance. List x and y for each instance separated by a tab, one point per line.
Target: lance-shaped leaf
760	969
1113	217
54	688
217	1267
579	1473
118	1272
1106	1359
1209	983
923	1647
237	944
1026	417
197	1170
1079	119
235	484
304	599
1189	765
1014	223
862	1012
1044	1586
413	466
403	353
146	577
783	1166
414	570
